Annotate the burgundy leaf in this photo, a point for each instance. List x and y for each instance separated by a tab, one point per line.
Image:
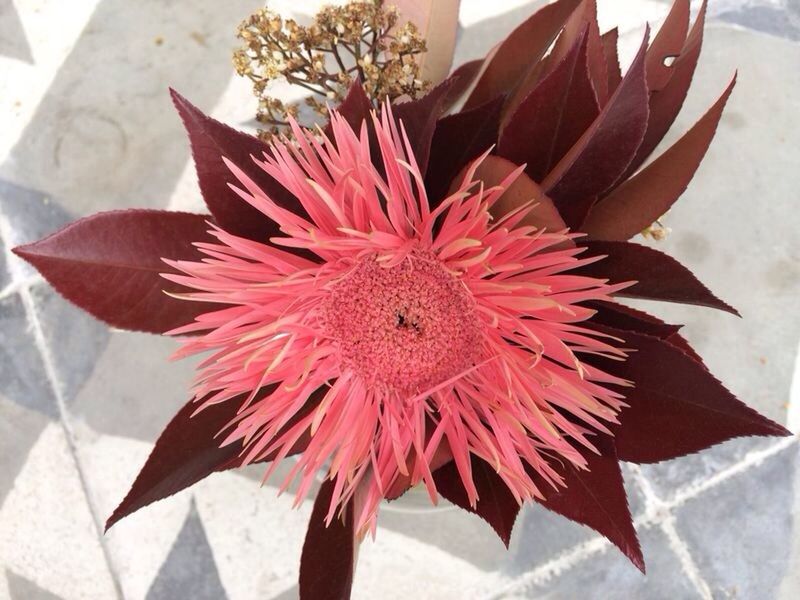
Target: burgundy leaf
605	150
188	450
329	552
543	215
462	79
109	264
355	107
419	118
553	116
596	497
610	41
658	276
666	102
667	45
645	197
496	505
459	139
211	141
619	316
585	19
676	406
682	344
185	453
507	64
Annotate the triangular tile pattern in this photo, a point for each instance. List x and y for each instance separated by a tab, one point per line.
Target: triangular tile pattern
21	588
13	42
189	570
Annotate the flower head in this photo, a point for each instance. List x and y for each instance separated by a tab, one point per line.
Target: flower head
412	331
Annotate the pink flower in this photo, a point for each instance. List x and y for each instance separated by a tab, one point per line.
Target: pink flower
401	334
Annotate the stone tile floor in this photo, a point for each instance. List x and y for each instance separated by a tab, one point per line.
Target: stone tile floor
87	126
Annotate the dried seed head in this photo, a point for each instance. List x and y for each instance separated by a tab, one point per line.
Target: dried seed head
360	38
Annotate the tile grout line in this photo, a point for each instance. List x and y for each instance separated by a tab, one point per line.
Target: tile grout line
751	460
661	515
681	549
40	342
14	287
580	552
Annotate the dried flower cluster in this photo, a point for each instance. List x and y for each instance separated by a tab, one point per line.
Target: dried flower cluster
360	39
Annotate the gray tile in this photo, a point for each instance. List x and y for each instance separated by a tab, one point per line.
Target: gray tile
19	430
132	390
13	42
740	532
105	135
75	338
636	500
610	575
774	20
189	570
669	476
5	276
22	375
542	535
31	215
293	593
23	589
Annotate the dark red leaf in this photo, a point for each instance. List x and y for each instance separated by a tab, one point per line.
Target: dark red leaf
666	102
553	116
676	406
659	276
619	316
462	78
329	552
605	150
459	139
355	107
109	264
419	118
188	450
667	45
496	505
682	344
543	215
585	19
610	41
211	140
645	197
185	453
596	498
507	64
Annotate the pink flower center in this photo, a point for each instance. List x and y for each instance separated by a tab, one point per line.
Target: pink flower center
405	328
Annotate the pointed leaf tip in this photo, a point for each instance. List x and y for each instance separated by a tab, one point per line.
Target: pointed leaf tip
210	141
649	194
676	407
188	451
601	155
110	264
496	505
553	116
596	497
658	275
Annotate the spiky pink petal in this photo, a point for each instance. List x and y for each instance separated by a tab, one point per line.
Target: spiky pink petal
434	332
